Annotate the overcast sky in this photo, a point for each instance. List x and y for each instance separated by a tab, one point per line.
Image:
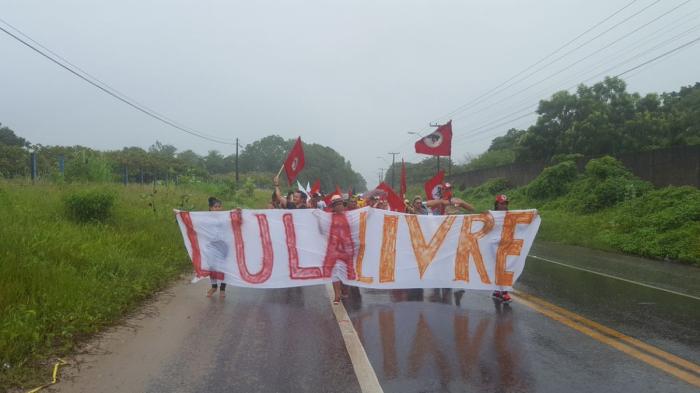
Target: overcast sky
353	75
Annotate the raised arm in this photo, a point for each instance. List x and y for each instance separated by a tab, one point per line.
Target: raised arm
278	194
461	203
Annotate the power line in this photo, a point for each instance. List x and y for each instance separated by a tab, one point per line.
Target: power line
498	88
476	131
111	91
672	39
667	53
595	52
542	92
659	57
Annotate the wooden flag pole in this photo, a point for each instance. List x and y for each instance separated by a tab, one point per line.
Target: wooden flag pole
280	171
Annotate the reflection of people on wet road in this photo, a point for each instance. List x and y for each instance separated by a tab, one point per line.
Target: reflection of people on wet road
215	205
501	204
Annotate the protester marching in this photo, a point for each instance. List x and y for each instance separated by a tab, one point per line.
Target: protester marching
345	222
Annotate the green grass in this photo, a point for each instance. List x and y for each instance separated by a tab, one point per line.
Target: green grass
61	281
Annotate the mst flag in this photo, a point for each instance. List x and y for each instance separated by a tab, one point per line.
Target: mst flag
295	162
432	186
439	143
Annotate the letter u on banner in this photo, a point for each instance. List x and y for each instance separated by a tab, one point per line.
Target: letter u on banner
267	260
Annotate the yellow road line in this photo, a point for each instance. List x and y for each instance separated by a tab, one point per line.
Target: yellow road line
614	333
590	329
369	383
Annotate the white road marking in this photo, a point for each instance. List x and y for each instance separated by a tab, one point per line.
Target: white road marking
616	278
360	362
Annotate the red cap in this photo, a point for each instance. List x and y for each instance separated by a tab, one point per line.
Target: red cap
501	198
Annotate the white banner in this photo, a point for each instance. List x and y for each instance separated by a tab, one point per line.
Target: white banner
365	247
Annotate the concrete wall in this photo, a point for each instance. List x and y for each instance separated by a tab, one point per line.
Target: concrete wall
675	166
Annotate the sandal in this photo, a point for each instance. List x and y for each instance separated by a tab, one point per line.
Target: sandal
210	292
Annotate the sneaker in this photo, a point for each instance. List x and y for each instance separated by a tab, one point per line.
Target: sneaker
506	297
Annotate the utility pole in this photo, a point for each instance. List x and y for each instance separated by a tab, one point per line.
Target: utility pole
381	175
62	165
236	160
35	172
393	161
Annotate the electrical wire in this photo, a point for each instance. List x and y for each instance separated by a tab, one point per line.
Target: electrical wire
106	88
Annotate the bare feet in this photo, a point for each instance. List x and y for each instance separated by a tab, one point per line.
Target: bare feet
222	294
211	291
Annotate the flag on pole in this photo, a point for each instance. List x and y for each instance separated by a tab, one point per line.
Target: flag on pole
432	186
294	162
301	188
316	187
439	143
395	202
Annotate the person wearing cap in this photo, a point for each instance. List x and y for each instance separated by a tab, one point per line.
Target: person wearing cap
501	204
451	204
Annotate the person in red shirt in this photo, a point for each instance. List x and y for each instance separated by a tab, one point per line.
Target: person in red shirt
450	205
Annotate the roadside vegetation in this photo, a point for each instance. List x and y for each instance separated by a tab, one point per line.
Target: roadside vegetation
606	207
75	259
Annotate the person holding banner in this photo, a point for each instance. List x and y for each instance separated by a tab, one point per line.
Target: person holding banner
501	204
450	204
214	280
338	207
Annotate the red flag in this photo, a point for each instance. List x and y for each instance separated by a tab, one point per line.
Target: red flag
316	187
395	202
432	186
402	189
295	162
439	143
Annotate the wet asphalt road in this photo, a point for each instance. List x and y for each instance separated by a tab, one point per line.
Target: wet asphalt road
254	340
419	340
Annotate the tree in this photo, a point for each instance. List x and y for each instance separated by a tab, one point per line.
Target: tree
9	138
215	163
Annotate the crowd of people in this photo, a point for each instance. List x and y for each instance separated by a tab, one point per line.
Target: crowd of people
444	204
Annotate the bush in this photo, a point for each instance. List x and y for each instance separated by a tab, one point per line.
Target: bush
90	206
663	223
553	182
606	183
488	189
557	158
607	167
